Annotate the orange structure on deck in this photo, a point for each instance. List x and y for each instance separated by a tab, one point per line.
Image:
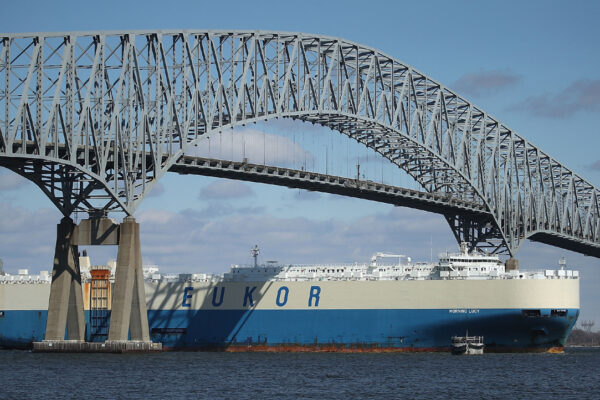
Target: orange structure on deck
100	303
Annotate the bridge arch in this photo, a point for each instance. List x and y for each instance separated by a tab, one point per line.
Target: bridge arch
125	107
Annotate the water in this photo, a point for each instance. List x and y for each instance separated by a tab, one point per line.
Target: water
175	375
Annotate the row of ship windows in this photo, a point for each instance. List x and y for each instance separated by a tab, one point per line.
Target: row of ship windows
538	313
379	269
310	270
467	260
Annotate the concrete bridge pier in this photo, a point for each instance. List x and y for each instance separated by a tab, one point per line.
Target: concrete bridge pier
65	308
128	331
129	316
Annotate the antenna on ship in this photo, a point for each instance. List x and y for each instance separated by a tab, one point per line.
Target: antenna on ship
562	262
255	252
1	267
430	249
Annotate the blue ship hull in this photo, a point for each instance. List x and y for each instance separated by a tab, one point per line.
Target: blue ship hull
326	330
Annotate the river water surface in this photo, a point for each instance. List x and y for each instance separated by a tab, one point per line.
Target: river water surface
196	375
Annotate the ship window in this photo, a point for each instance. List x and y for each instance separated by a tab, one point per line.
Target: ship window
531	313
558	313
1	314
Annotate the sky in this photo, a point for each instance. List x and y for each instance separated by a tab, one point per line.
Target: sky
534	65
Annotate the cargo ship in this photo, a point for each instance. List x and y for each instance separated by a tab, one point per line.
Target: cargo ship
387	304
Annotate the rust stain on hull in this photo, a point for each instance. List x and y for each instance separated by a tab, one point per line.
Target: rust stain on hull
331	349
295	348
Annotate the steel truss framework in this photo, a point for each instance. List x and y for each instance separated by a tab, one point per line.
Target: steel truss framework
96	118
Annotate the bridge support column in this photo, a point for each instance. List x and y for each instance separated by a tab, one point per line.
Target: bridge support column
65	308
129	317
476	231
128	329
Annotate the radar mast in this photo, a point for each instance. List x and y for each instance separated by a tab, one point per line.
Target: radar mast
255	252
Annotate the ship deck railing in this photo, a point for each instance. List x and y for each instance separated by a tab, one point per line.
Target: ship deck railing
467	339
20	279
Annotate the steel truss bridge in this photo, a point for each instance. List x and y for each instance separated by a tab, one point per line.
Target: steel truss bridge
96	118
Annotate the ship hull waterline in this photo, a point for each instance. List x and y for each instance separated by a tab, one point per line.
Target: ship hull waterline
503	330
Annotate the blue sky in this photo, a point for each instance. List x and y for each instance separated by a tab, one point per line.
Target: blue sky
533	65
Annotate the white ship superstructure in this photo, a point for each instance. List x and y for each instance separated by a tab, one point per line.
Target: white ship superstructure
387	266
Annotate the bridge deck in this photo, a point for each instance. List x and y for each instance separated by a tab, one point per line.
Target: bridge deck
292	178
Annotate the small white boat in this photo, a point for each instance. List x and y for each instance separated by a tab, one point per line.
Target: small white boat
467	344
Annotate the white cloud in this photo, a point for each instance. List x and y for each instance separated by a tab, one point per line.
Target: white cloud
256	146
10	180
157	190
154	216
193	240
225	189
27	238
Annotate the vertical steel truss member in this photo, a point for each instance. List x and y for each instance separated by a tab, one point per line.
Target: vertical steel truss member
96	118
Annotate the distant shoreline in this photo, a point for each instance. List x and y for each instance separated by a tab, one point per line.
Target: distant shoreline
582	338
